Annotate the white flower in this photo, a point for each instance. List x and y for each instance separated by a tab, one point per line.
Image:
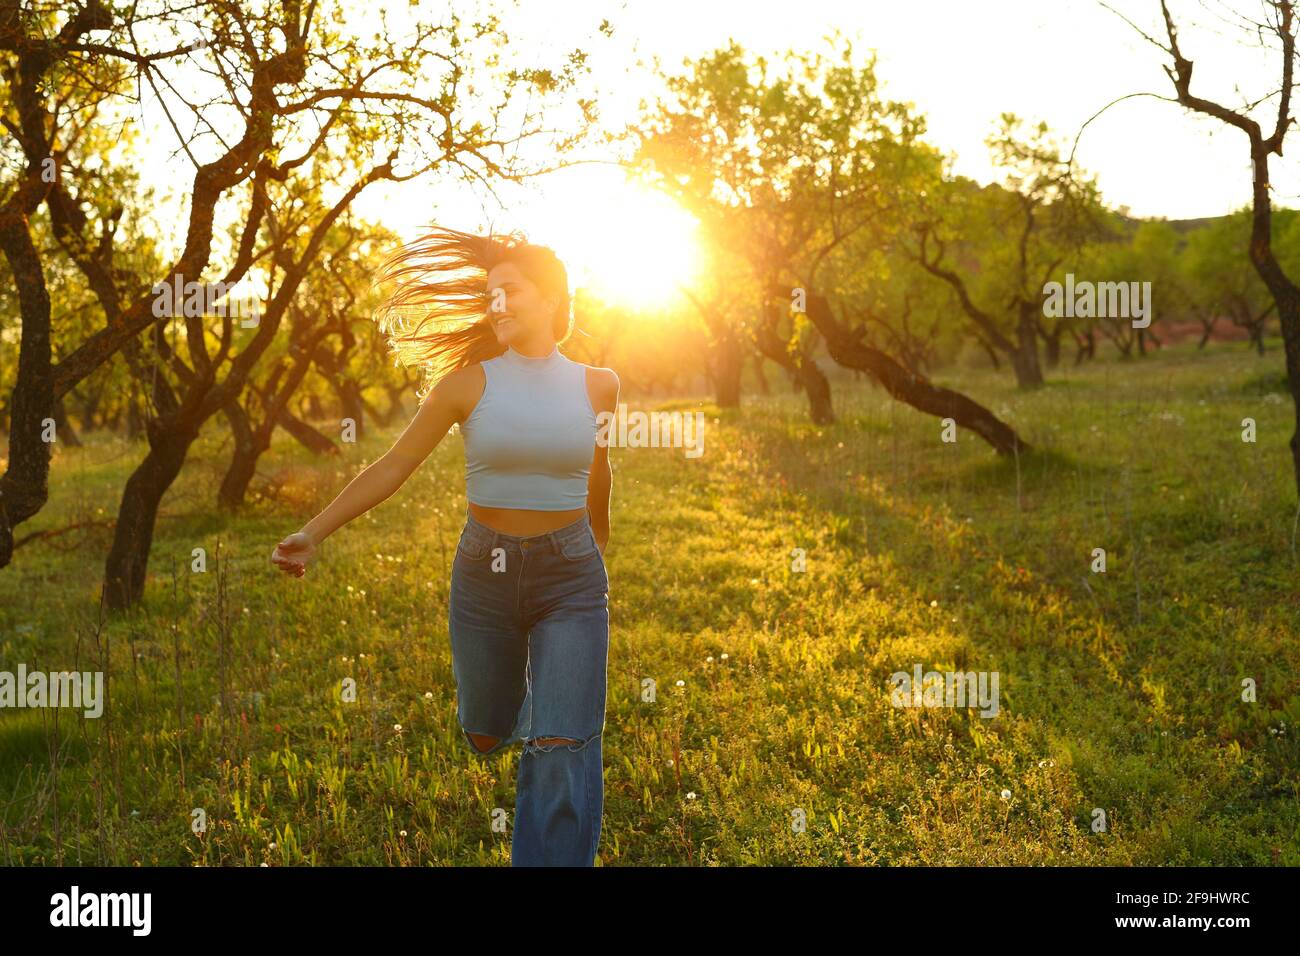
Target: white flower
1006	794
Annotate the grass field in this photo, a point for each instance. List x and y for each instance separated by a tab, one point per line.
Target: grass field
1120	691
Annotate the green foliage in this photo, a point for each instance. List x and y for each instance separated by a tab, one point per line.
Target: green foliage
1120	691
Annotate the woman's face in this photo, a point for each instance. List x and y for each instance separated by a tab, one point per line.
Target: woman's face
519	313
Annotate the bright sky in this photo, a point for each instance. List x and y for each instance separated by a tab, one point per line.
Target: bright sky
961	63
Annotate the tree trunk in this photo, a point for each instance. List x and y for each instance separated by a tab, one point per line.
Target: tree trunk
727	365
846	348
128	561
308	437
1208	327
805	374
1086	346
1288	310
24	486
90	408
63	427
396	406
349	395
135	424
243	462
1052	348
1024	360
817	388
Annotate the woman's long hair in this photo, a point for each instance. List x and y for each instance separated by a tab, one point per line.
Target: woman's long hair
436	317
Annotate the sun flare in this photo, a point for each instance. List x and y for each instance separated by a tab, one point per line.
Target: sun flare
627	244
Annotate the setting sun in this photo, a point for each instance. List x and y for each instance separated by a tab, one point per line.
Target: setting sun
625	243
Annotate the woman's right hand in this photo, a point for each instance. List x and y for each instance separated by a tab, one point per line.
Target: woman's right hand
294	553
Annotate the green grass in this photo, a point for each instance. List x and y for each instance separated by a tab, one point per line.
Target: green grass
1120	691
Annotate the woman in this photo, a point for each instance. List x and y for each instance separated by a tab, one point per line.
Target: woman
528	613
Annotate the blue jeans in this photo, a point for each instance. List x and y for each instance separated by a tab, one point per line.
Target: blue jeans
529	624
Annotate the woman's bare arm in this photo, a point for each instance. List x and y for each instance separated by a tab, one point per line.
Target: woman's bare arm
447	404
604	398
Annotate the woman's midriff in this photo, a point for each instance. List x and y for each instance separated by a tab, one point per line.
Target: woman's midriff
521	522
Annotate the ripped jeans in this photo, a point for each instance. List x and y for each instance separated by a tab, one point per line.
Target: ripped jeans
529	624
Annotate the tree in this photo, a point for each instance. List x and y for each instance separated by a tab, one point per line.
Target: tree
288	116
1222	286
1276	33
789	170
720	143
998	246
